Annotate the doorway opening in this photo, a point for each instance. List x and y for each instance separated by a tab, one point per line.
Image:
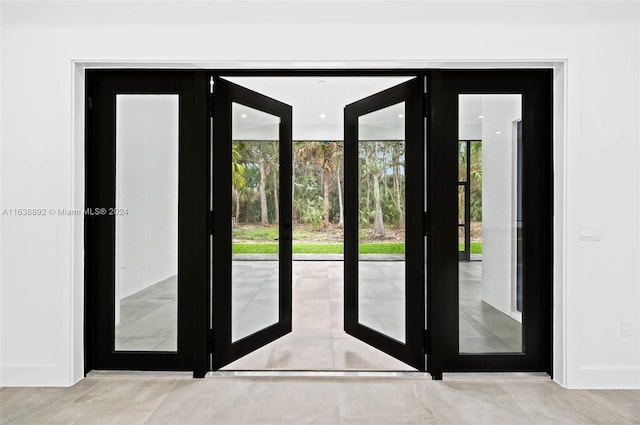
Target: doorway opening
378	220
318	340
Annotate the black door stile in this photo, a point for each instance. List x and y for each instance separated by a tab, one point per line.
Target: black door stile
412	351
224	350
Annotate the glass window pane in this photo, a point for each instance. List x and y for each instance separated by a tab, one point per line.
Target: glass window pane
462	161
461	242
255	186
146	245
381	267
461	204
490	289
475	201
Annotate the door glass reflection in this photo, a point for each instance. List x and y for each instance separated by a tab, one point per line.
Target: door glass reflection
146	220
255	186
490	277
381	241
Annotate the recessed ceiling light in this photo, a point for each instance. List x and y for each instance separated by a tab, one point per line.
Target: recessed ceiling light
480	116
498	132
400	115
244	115
323	116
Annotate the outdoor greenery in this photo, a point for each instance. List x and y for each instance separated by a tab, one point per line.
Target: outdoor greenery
476	247
318	248
318	196
473	160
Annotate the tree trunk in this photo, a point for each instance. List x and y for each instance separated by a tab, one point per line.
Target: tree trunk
367	203
398	187
276	202
341	222
236	194
264	214
378	225
327	204
293	188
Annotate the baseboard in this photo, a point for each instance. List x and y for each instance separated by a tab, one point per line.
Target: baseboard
588	377
34	376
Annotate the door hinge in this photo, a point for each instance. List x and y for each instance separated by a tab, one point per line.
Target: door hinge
210	223
210	341
425	341
425	223
90	102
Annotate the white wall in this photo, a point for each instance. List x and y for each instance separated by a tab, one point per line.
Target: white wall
597	155
498	199
146	191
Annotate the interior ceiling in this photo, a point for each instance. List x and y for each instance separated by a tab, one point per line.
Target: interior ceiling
318	102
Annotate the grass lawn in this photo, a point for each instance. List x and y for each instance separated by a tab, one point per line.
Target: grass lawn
476	247
318	248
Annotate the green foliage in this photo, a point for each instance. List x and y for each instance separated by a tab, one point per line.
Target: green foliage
366	216
312	213
476	247
318	248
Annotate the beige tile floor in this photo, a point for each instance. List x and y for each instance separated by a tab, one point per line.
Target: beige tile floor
148	318
318	340
131	400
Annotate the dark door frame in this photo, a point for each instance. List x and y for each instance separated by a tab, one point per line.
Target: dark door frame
442	226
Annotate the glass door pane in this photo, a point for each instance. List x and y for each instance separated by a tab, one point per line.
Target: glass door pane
490	288
381	260
146	223
255	186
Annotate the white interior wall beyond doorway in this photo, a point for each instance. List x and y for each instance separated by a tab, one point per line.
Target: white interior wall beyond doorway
595	46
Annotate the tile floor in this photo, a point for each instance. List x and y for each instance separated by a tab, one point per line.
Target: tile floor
317	340
131	400
148	318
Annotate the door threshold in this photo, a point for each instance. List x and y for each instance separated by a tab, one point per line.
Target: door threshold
140	373
317	374
494	375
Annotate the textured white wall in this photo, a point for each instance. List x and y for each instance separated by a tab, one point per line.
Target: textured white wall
597	155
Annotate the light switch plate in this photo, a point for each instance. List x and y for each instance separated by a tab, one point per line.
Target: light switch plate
590	232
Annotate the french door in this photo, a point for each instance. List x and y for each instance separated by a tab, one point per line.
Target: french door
384	295
467	153
251	293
